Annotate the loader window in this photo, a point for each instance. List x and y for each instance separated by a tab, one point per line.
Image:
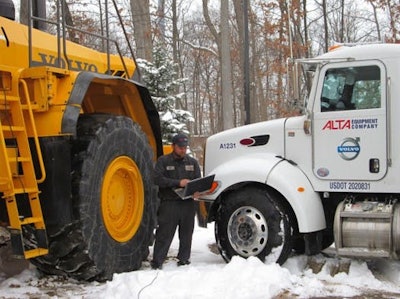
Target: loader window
351	88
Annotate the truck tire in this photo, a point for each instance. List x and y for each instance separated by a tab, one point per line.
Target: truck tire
113	200
252	222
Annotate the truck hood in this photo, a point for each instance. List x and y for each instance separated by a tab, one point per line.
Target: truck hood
264	137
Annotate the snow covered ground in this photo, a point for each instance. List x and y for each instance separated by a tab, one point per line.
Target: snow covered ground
210	277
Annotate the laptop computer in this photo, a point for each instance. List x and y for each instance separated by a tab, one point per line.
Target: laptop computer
196	185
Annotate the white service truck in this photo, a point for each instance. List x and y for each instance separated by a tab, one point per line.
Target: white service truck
330	175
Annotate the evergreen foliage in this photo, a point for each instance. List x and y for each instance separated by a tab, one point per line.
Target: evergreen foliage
162	80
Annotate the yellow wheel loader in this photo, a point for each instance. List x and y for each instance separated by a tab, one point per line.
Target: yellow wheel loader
78	139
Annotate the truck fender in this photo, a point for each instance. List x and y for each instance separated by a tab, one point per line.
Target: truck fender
294	185
250	168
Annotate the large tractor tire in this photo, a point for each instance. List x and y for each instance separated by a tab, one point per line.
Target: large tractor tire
113	200
252	222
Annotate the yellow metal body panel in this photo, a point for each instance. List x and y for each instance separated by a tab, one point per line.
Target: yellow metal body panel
116	97
49	86
167	148
12	154
44	51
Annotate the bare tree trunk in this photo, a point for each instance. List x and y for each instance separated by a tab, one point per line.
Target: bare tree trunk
255	89
342	22
180	104
161	19
69	21
210	25
393	15
142	28
325	16
305	25
378	30
23	12
284	34
218	113
238	7
38	10
225	61
212	102
175	33
196	129
226	67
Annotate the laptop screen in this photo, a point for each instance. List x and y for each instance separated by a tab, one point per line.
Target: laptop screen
196	185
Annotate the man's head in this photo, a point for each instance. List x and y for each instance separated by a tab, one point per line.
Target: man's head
179	143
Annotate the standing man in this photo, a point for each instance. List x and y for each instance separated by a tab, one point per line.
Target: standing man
174	171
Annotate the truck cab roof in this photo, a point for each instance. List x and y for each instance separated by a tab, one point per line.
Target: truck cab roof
361	52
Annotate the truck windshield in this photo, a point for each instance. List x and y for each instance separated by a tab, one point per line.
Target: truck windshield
351	88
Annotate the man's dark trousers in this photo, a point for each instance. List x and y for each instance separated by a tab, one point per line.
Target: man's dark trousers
173	213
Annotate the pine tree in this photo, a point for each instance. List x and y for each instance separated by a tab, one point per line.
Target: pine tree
162	81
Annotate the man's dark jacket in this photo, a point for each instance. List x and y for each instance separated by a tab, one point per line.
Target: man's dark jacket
169	171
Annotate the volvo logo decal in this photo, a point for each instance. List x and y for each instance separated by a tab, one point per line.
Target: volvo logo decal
349	149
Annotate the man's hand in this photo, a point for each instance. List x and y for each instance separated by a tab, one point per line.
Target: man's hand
196	195
183	182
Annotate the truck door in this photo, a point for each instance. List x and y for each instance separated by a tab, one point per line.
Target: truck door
349	125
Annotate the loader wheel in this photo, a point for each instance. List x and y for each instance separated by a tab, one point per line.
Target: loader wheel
251	222
113	202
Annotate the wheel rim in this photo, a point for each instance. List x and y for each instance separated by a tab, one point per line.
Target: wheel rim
122	199
247	231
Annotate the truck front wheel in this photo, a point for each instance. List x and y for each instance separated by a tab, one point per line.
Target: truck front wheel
252	222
